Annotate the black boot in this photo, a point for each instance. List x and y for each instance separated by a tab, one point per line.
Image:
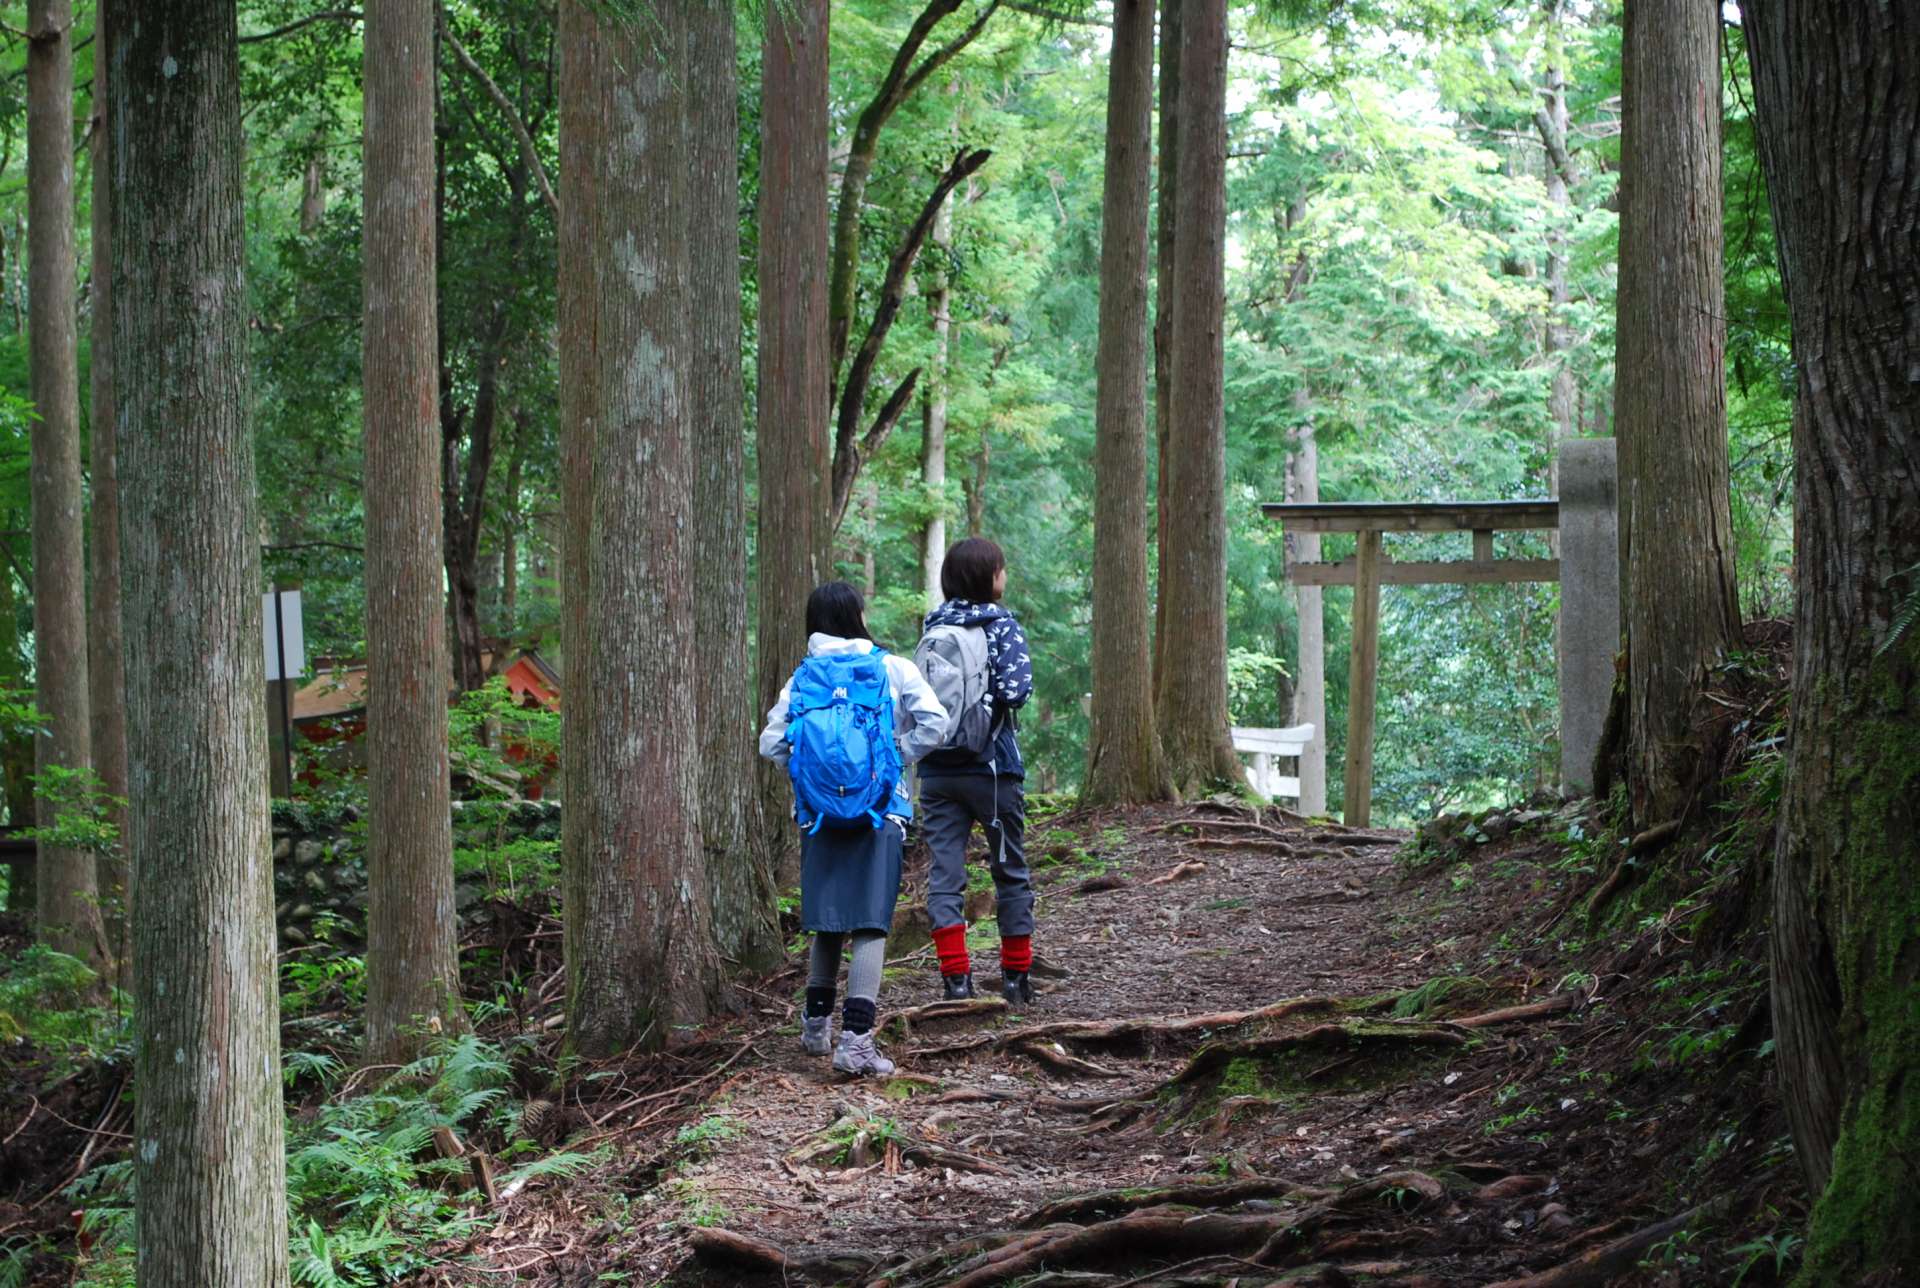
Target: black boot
1016	987
957	987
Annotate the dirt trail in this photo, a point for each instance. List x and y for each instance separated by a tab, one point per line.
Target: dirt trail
1338	1142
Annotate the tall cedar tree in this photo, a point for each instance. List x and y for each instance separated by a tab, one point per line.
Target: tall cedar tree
1166	216
1675	521
413	978
580	132
69	910
209	1158
792	532
739	867
106	664
1836	101
933	425
648	961
1192	675
1123	753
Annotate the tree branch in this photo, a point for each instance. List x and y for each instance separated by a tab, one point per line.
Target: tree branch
901	80
325	15
847	454
505	104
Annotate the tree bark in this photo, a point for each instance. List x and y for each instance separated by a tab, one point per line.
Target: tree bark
1310	673
1835	102
1675	522
1166	220
933	433
581	129
69	910
649	961
413	978
208	1150
1124	764
792	531
739	867
106	665
1192	678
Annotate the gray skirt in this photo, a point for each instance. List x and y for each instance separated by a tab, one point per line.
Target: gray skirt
850	878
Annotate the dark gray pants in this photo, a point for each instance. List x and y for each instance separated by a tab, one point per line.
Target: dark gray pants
949	807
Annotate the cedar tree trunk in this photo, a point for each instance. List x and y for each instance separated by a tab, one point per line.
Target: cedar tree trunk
1675	518
69	900
1166	218
1836	101
208	1154
1123	754
739	865
1192	676
647	952
792	534
413	979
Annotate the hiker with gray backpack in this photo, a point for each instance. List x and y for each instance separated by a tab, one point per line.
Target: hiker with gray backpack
975	657
843	727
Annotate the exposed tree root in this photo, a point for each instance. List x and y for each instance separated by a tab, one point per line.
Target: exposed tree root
1513	1014
1172	1232
1100	884
1210	1058
1079	1208
1254	845
1118	1032
719	1247
959	1009
1049	1053
1601	1265
1179	872
1353	838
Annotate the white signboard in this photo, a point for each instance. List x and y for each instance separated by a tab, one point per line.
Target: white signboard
284	638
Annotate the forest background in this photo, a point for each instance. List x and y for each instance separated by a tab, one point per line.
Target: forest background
1421	268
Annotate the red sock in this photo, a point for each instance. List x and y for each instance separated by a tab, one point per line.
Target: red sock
950	945
1016	952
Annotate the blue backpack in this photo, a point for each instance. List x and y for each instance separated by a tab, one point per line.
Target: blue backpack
844	763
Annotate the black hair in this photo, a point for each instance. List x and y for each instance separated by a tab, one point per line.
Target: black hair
836	608
969	569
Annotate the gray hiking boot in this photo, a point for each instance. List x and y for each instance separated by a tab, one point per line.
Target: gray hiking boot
816	1036
857	1055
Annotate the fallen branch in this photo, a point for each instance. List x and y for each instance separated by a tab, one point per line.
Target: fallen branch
1603	1264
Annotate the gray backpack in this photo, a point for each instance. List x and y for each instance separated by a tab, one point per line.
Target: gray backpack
954	660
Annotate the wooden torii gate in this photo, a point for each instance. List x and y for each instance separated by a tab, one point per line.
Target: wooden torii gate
1369	570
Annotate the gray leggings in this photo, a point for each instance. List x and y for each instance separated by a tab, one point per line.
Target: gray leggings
863	974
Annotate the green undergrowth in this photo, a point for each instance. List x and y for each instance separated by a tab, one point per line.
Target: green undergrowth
369	1199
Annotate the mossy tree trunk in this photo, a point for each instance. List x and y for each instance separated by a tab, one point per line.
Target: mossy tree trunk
1676	525
1124	763
1836	100
209	1158
1191	674
739	862
413	978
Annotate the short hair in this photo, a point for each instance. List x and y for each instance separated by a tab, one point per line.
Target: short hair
969	568
837	609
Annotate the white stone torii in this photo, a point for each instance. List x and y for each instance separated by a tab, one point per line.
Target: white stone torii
1588	570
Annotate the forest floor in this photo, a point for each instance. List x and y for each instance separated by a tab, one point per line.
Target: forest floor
1265	1051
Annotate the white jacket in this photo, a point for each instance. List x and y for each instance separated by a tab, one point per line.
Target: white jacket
919	721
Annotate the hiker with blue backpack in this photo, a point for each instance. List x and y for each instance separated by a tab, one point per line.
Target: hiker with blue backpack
843	727
975	657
